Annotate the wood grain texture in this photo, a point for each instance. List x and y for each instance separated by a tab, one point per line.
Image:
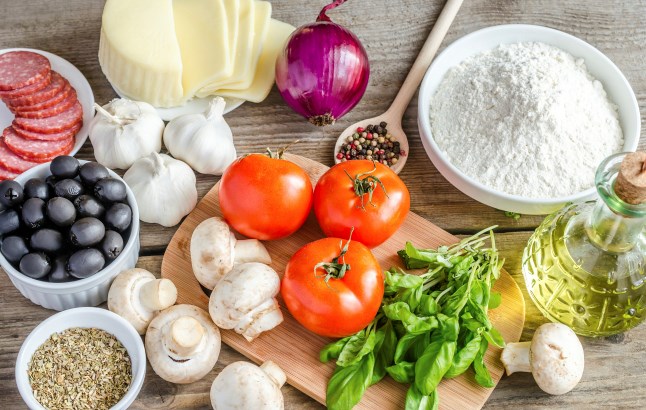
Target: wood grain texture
392	32
296	350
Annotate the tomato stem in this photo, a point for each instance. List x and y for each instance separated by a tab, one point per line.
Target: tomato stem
279	154
366	185
337	267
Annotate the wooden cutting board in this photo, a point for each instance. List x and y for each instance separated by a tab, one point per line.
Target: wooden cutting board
296	350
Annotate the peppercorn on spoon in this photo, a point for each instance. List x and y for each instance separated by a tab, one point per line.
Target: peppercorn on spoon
393	116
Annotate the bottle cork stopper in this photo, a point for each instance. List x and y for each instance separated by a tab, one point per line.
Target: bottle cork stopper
630	185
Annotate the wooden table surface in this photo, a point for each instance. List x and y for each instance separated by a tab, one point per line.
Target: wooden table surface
392	32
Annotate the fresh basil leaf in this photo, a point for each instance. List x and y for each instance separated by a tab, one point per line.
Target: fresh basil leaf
332	350
384	351
464	357
479	314
414	258
357	348
417	401
456	302
348	384
402	372
403	345
495	299
494	337
450	327
427	306
476	293
482	373
417	348
412	297
400	311
434	363
397	280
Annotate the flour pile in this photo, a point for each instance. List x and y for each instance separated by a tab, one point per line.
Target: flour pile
527	119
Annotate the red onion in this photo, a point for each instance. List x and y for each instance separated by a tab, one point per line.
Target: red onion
323	71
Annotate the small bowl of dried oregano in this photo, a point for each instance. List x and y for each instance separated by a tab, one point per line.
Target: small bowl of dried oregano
82	358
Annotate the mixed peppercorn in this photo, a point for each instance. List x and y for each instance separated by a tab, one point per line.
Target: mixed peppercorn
373	142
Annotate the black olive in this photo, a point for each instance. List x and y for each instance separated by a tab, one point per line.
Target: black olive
47	240
92	172
9	221
14	248
33	213
85	263
11	193
112	245
64	167
37	188
69	188
61	211
87	205
35	265
110	190
87	232
51	182
59	273
118	217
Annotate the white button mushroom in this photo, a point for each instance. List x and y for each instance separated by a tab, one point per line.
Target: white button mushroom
243	386
554	356
245	300
136	295
215	250
182	344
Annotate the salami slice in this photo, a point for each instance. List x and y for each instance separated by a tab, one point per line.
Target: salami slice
56	85
34	150
11	161
28	90
6	174
21	68
56	109
49	137
50	125
63	94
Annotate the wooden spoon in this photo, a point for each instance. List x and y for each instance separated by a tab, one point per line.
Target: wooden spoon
393	116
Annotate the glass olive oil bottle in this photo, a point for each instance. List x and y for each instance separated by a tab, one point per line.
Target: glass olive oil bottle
584	265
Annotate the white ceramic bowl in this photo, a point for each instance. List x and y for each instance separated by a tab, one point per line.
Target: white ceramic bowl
83	317
90	291
614	82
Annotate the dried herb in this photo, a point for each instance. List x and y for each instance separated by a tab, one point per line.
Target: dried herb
80	368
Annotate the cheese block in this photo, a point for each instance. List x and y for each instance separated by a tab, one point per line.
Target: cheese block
139	52
203	36
266	69
250	42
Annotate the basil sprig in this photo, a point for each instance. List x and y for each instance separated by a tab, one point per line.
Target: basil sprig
429	327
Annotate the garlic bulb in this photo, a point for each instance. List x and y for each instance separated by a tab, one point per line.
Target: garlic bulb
124	131
164	188
204	141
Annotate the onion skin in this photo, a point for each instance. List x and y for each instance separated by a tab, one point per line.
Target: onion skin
323	71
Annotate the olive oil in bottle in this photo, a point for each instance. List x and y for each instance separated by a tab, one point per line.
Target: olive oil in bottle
584	265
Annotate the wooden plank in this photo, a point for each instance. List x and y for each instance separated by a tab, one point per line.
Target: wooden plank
296	350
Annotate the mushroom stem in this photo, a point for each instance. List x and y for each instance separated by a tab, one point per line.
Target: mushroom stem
184	337
274	372
250	250
515	357
158	294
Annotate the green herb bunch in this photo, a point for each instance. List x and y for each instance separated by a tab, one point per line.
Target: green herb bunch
429	327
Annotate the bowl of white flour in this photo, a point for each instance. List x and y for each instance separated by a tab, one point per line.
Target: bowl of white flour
519	117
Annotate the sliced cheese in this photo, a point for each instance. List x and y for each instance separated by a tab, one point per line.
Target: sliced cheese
232	9
139	53
202	34
252	32
266	69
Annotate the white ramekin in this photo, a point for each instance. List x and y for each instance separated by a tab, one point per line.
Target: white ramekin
90	291
83	317
600	66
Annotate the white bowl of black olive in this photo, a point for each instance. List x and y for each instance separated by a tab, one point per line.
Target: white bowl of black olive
67	228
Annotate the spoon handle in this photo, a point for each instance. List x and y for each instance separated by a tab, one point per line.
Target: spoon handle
425	57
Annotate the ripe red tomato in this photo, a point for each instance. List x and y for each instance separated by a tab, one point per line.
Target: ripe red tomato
265	197
340	306
342	201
